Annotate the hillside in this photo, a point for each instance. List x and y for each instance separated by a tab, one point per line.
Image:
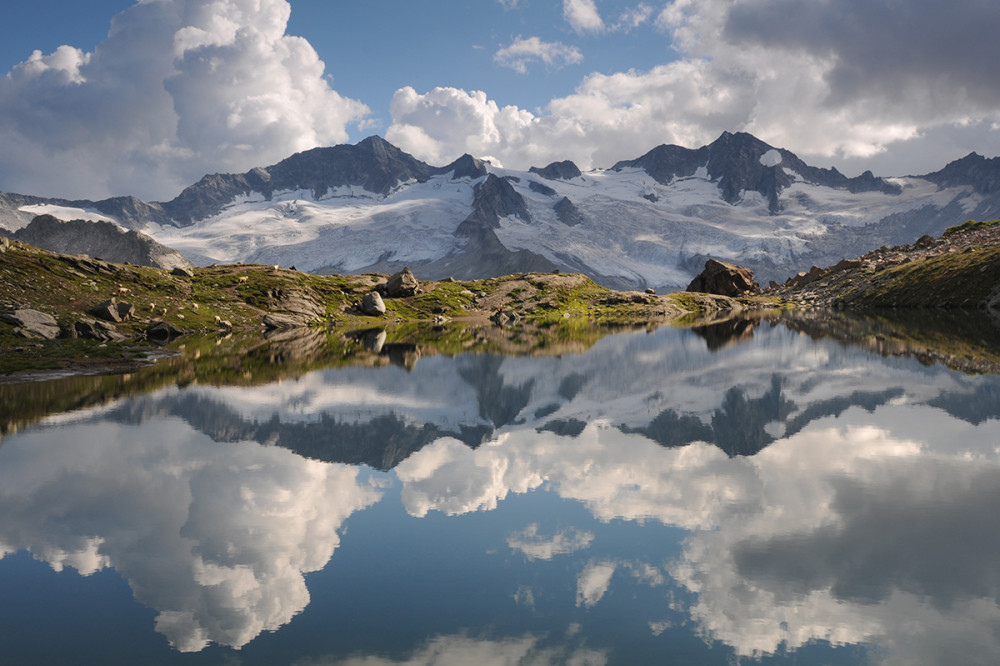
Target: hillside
958	270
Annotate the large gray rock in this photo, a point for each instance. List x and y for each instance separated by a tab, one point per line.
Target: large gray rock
724	279
32	323
107	310
402	284
96	330
372	304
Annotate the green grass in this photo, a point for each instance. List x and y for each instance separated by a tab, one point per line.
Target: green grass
970	225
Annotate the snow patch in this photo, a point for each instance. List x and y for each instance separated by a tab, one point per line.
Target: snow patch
771	158
66	213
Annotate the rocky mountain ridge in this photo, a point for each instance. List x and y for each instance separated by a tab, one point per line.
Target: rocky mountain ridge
647	222
99	239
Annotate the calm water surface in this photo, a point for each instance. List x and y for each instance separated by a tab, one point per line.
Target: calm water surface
656	499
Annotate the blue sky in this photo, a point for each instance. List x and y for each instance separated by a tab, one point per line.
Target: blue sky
186	87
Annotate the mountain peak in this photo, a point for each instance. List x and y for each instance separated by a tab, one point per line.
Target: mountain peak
465	166
565	170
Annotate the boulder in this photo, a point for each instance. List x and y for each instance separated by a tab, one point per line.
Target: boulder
125	311
402	284
182	272
161	330
724	279
97	330
32	323
372	304
108	310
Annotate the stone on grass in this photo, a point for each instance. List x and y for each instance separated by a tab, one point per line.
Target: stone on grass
372	304
32	323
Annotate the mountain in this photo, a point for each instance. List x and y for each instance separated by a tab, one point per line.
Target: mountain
647	222
99	239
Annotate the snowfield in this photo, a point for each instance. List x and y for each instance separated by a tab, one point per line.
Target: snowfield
634	230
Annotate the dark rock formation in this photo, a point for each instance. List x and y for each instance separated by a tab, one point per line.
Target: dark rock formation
465	166
564	170
734	162
568	213
724	279
103	239
981	173
162	331
374	164
535	186
494	198
107	310
95	330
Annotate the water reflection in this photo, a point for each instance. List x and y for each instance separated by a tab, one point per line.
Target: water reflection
663	493
215	537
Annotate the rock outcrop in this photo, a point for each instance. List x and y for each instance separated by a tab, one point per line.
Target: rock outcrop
31	323
564	170
724	279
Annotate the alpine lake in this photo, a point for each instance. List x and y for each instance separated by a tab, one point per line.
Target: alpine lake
788	488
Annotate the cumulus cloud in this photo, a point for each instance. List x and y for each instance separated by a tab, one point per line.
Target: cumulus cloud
175	86
216	537
582	15
633	17
524	51
537	546
836	83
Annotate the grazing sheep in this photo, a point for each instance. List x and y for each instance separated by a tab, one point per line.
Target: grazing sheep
242	279
218	319
194	306
123	291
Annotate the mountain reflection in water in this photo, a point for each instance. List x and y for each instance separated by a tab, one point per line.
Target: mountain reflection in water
694	496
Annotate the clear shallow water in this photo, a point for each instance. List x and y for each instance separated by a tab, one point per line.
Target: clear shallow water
652	500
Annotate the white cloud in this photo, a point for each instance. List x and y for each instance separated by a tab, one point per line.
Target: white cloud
523	51
582	15
633	17
772	68
593	582
175	86
459	650
540	547
216	537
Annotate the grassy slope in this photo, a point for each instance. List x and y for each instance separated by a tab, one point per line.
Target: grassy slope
67	286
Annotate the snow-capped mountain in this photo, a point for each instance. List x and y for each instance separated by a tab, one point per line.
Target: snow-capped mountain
651	221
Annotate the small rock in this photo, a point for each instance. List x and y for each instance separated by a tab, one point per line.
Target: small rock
650	290
372	304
